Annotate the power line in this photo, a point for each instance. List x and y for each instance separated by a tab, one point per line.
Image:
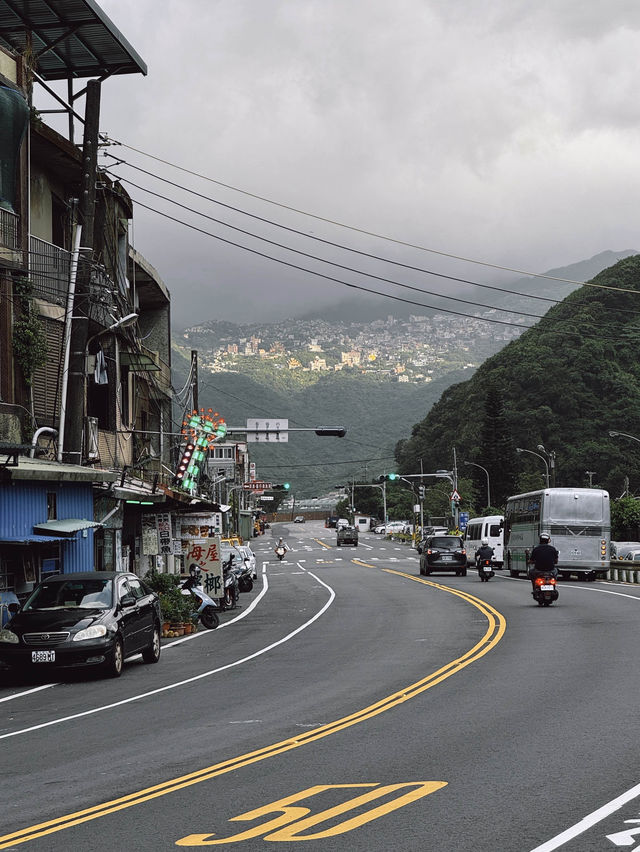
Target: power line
313	237
108	141
336	280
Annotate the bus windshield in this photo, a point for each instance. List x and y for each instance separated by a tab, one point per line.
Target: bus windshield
581	506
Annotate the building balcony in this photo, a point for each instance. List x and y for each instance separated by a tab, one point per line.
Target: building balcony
49	271
9	236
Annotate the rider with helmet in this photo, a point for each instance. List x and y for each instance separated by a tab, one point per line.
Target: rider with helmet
485	551
543	559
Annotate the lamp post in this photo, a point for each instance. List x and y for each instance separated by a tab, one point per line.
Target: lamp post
488	485
550	455
521	450
614	434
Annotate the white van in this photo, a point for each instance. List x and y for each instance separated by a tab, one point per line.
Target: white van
491	528
362	523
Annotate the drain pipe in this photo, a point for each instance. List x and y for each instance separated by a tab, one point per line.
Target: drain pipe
37	434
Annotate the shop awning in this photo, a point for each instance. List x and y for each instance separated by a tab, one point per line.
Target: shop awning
67	527
138	362
30	539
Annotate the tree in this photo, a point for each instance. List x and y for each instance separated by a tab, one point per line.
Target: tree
625	519
497	452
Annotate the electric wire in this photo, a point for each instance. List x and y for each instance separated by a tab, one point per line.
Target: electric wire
342	266
109	141
334	279
315	238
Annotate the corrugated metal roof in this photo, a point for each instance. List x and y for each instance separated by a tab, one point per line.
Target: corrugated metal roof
40	469
70	38
67	526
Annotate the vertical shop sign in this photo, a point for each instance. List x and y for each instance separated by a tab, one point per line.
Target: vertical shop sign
163	524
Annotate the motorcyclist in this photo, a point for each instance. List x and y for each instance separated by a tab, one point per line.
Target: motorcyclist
281	543
543	559
485	551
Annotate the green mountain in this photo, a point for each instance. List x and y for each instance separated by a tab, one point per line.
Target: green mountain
563	384
375	413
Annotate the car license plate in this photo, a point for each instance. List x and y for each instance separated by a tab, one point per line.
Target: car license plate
546	588
446	558
43	656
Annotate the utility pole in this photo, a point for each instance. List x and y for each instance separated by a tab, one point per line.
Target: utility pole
194	378
75	402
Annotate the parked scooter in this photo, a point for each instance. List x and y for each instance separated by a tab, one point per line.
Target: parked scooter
203	605
485	569
245	576
545	589
229	600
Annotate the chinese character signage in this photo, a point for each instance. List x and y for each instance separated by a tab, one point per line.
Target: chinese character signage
206	554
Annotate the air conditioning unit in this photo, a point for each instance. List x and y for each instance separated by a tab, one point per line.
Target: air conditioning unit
91	438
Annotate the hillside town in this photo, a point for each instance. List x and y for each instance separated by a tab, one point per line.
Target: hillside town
417	349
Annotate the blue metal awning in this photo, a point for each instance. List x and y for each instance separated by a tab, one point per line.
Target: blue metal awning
68	527
30	539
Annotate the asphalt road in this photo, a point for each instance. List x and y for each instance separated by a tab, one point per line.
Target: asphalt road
349	704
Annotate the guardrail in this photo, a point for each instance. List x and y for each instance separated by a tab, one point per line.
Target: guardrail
623	572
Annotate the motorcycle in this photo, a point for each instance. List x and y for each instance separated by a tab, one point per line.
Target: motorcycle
245	576
231	586
545	590
204	606
485	569
280	551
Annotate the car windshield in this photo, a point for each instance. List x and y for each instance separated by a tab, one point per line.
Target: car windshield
77	594
445	542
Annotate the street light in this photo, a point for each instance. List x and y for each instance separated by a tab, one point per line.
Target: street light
488	486
550	455
520	450
613	434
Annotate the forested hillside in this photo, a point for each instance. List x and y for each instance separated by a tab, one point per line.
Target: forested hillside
563	384
374	413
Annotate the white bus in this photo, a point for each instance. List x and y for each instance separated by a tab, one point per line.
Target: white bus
491	528
578	521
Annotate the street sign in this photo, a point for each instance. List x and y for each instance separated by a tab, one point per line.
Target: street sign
463	520
266	497
273	429
257	485
454	495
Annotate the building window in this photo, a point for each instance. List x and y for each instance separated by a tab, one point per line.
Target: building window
52	506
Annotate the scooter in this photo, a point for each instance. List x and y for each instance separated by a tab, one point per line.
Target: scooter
204	606
280	551
485	569
245	577
229	600
545	590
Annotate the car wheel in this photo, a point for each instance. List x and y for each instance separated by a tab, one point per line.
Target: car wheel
115	662
463	573
152	653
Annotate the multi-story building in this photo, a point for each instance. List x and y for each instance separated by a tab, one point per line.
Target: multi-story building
85	392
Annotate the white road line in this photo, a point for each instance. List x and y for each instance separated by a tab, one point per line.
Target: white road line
27	692
589	821
193	679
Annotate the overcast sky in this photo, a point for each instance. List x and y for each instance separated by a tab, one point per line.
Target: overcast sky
501	130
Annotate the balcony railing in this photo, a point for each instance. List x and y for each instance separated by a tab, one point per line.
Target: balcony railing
9	230
49	270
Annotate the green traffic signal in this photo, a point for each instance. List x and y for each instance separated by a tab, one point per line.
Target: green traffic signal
392	476
286	486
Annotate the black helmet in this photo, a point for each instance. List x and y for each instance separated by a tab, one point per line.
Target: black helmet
545	537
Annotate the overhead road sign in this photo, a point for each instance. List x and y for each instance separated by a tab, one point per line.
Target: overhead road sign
271	429
257	485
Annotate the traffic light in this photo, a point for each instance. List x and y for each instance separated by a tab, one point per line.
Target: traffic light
282	486
389	476
421	491
331	431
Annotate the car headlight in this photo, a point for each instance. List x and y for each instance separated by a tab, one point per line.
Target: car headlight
96	631
8	636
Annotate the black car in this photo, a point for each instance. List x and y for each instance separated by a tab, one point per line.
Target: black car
443	553
90	618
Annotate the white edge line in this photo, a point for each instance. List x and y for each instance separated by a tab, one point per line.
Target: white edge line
133	698
589	821
27	692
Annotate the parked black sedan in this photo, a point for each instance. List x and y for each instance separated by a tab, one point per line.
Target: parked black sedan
443	553
92	618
